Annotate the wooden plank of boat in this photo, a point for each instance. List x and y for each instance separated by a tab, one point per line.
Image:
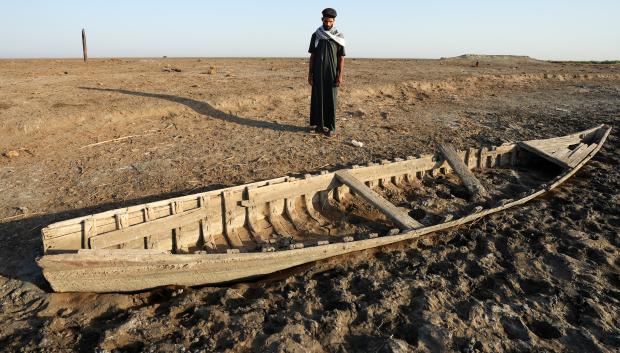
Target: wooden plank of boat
542	153
557	141
57	229
290	189
576	157
467	177
206	230
582	146
556	149
292	214
141	230
231	213
400	218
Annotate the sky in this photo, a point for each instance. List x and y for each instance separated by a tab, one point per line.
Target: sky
543	29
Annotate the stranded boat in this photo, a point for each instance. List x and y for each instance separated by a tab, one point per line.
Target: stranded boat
256	229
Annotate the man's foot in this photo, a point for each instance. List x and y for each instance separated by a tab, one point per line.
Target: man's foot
330	133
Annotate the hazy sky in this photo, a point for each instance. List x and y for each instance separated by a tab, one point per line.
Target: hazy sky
545	29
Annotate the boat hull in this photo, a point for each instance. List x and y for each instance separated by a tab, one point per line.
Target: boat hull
126	270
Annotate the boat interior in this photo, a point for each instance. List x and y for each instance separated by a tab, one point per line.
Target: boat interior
343	205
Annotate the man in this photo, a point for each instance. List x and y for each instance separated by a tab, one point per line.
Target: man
326	73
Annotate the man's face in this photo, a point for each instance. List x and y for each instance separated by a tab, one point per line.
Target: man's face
328	22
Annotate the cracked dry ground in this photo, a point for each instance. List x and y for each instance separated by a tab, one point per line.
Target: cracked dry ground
541	277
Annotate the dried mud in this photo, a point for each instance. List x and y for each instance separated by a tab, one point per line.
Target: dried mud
540	277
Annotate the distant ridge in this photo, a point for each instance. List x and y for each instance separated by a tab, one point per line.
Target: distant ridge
493	57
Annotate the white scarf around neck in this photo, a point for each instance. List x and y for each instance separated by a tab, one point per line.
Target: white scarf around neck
333	33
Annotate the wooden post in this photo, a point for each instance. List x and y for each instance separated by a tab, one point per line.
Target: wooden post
84	50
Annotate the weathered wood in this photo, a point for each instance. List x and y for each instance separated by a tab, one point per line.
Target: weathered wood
230	215
143	229
555	142
90	230
291	189
280	225
467	177
575	158
482	158
375	172
62	228
259	228
582	146
122	220
470	159
307	219
208	240
341	192
122	252
401	219
314	214
291	214
84	49
536	150
206	227
177	232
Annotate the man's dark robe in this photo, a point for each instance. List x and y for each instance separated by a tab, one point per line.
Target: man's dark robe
324	90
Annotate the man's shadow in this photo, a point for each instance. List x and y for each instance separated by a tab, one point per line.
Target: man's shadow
206	109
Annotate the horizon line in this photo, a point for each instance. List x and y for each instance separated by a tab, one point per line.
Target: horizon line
462	56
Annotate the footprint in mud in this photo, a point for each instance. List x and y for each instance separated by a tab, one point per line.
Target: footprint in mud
473	270
483	247
361	285
531	286
442	268
613	278
333	294
577	308
592	226
559	267
544	330
596	256
577	341
514	328
517	226
274	323
575	252
491	288
613	222
463	308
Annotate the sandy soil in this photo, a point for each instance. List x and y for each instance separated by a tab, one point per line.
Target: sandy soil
79	138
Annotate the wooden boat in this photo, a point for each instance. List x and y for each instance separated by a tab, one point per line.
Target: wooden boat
250	230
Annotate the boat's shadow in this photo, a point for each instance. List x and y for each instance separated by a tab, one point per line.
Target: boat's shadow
205	109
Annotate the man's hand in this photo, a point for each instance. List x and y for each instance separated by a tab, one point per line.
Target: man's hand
340	72
339	80
310	69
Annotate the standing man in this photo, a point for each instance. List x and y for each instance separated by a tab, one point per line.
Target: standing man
325	74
